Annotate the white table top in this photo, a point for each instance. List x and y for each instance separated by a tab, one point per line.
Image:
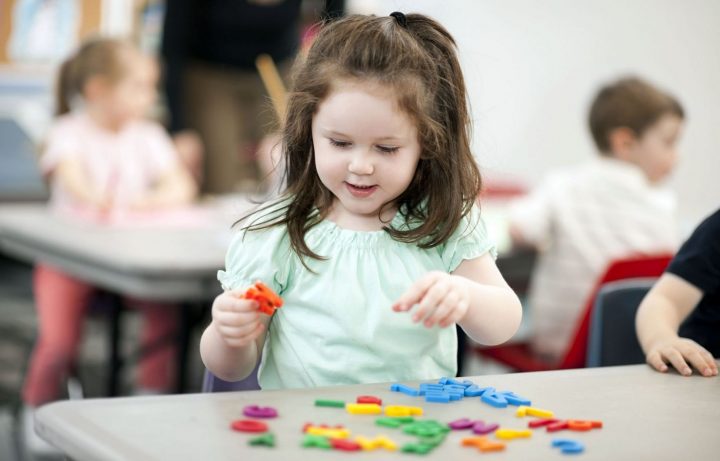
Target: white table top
173	259
646	415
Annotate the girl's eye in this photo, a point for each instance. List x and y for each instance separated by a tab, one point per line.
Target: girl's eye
340	144
387	149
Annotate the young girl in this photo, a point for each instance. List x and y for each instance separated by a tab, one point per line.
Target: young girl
376	246
102	156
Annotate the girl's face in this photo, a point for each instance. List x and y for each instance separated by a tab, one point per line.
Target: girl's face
133	95
366	152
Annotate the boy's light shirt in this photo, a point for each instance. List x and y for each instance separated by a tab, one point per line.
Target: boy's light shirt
583	218
337	325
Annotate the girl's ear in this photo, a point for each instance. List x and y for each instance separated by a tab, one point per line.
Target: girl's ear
622	142
95	87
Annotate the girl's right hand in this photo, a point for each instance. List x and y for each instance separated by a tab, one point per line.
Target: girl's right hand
236	320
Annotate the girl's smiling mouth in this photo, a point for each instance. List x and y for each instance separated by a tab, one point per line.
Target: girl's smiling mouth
359	190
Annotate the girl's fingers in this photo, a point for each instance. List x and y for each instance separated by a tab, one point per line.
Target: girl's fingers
455	315
245	339
234	300
237	332
415	293
698	358
236	293
712	364
235	319
430	302
228	309
241	305
655	360
678	361
241	343
446	307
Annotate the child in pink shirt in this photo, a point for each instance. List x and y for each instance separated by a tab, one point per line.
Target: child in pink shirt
101	156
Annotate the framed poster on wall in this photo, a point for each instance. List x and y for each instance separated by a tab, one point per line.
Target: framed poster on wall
45	31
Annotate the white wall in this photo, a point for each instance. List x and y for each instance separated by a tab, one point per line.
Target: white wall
532	68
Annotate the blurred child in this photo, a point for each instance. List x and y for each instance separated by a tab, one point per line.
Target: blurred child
582	218
378	218
678	322
102	155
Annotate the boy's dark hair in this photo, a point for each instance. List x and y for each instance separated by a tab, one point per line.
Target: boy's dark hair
629	103
415	57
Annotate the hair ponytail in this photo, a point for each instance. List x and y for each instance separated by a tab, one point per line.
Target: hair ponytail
65	87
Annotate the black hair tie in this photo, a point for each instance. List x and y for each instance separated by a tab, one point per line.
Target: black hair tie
400	18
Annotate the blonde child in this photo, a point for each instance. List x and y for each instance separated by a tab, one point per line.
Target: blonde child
583	217
376	245
102	156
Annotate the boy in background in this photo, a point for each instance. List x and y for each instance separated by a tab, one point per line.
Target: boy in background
582	218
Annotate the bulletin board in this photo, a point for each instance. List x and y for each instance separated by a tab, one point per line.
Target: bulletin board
43	31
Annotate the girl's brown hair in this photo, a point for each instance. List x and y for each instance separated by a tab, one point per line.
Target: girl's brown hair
415	57
102	56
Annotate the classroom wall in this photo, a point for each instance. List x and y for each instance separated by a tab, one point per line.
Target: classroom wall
27	82
532	68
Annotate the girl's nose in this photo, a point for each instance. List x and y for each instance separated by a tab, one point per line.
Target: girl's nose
361	164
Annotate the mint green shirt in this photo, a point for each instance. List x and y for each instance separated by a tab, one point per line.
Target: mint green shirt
337	325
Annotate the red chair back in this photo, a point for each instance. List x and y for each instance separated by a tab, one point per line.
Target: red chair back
628	268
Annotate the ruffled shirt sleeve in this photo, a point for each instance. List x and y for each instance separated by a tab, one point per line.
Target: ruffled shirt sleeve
258	255
63	141
469	241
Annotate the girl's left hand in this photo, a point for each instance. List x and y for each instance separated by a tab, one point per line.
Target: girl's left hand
440	298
